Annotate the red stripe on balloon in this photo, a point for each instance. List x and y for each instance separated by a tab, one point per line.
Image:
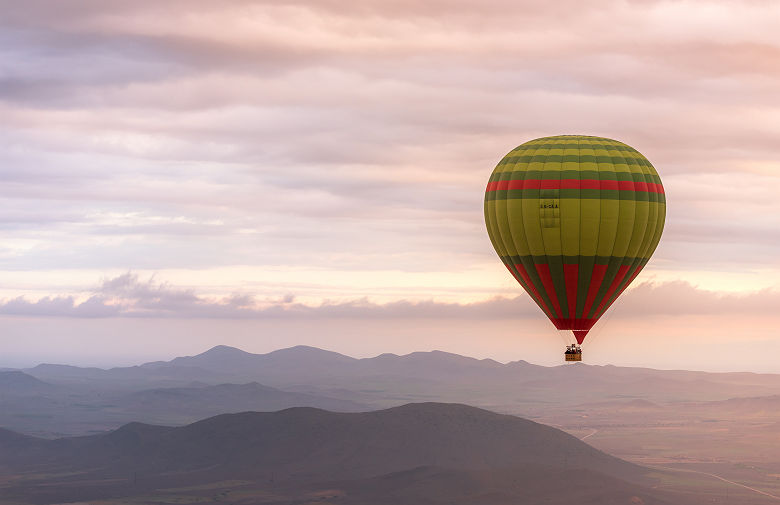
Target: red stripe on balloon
648	187
522	282
524	274
570	276
630	279
596	278
578	324
580	335
497	186
589	184
635	272
613	286
544	273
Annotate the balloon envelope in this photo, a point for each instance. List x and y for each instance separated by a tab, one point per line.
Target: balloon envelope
574	219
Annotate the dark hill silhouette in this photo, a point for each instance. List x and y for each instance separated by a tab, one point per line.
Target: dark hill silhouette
313	444
429	453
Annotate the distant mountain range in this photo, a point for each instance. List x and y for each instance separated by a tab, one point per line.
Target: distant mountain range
414	376
419	453
255	451
56	400
36	407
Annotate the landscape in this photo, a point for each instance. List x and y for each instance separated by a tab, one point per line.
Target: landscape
306	425
452	252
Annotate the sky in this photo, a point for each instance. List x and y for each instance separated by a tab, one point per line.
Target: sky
177	175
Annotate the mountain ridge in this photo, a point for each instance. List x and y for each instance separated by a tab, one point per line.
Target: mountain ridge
323	445
432	453
92	400
299	350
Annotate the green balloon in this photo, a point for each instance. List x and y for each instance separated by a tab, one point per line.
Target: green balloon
574	219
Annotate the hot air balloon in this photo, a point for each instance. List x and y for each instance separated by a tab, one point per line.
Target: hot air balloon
575	219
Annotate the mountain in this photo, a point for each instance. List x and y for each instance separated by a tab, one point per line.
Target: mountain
96	398
198	402
308	365
284	362
46	410
417	453
127	378
325	445
65	373
667	416
16	383
389	379
302	362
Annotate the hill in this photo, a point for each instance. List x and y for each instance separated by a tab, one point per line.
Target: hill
193	403
39	409
17	383
328	445
417	453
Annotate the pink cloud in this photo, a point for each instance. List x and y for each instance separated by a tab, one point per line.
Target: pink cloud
314	131
129	296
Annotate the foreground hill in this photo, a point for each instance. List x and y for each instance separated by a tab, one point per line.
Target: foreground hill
418	453
312	443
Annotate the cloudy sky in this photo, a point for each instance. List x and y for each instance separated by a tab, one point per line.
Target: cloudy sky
180	174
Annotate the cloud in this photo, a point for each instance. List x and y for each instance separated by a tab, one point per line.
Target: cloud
680	298
63	306
128	295
307	132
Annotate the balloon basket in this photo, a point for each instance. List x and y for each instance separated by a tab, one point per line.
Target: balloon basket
573	353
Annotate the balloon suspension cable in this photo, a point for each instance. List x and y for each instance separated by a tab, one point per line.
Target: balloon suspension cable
603	322
565	336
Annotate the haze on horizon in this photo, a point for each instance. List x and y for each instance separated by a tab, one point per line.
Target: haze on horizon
266	174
